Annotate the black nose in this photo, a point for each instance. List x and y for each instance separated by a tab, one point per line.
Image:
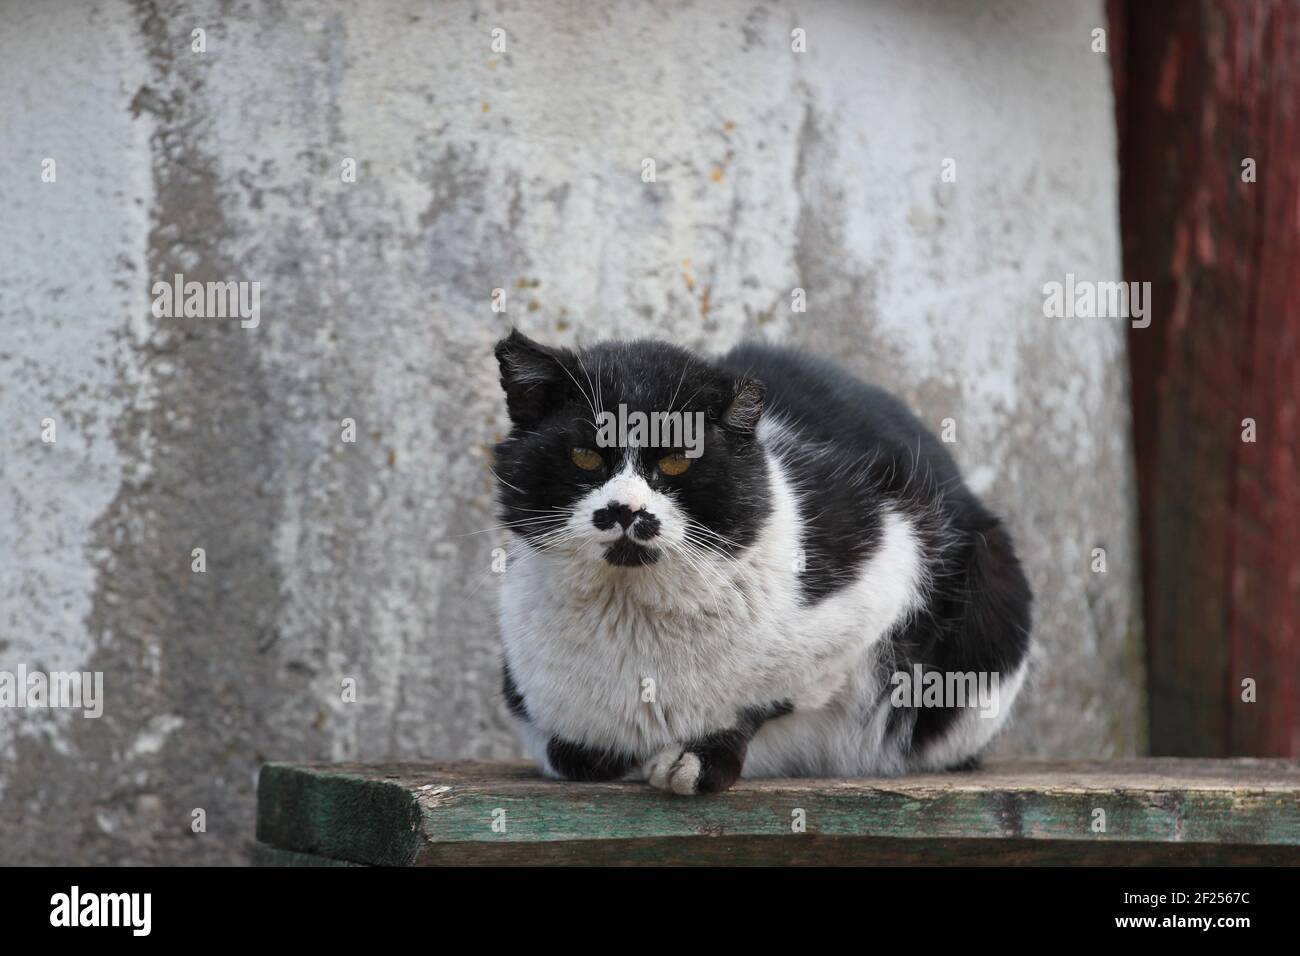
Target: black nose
604	518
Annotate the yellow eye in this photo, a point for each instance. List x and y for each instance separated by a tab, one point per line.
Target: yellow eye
586	459
674	465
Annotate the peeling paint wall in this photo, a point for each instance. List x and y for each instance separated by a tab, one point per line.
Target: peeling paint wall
476	170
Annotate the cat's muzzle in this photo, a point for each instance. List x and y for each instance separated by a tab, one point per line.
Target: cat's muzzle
638	526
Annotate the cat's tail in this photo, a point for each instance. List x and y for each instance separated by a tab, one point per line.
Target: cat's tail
994	631
981	605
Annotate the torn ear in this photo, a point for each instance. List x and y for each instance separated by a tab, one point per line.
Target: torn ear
746	406
533	377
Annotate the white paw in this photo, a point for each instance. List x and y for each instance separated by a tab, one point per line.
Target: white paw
674	770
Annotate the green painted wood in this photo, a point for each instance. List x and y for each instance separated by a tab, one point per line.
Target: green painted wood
345	816
1163	810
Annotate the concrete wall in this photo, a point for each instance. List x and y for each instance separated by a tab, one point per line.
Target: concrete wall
476	170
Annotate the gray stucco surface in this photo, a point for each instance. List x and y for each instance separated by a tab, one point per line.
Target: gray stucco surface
478	170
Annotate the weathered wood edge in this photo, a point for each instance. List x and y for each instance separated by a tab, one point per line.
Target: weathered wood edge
403	814
814	850
338	816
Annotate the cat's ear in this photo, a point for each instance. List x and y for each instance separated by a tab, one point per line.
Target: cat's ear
744	405
533	376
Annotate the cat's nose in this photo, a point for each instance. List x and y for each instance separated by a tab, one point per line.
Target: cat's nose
616	511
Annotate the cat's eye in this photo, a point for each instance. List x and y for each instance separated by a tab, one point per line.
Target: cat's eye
674	465
586	459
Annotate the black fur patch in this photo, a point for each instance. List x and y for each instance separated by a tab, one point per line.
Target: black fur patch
578	762
627	553
514	699
859	447
722	757
646	527
722	754
752	718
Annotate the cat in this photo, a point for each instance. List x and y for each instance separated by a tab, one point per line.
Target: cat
763	607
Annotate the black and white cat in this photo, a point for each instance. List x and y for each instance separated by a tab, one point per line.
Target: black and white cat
747	611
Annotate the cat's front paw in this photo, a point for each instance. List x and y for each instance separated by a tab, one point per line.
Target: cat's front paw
674	770
708	765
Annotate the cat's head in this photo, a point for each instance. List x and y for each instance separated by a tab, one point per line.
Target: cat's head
629	453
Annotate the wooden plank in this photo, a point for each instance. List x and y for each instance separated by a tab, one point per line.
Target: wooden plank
1202	88
426	814
815	850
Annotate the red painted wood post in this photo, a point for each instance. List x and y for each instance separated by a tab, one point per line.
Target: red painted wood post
1208	99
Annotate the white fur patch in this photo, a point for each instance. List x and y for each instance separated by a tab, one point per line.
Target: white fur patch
674	771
